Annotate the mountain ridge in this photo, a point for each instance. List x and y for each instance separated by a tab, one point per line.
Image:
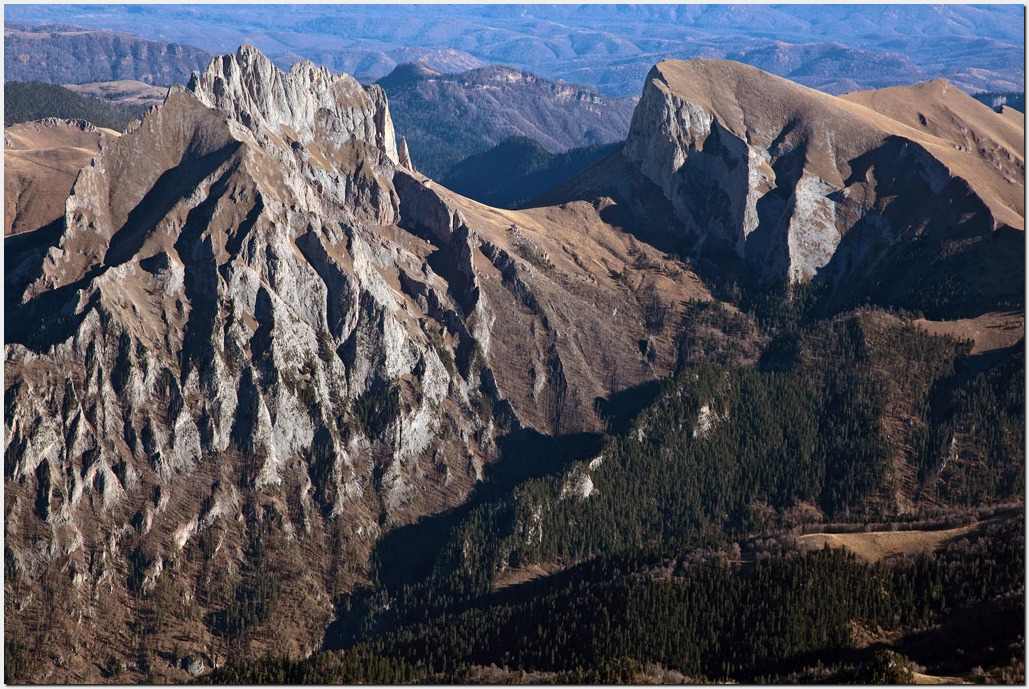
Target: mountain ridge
979	48
258	359
41	162
68	54
448	117
731	165
256	327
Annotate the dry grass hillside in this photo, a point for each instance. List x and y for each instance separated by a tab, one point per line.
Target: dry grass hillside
983	147
41	161
873	546
124	91
580	272
909	197
988	332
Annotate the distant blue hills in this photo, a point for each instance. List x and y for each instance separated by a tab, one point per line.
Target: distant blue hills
835	48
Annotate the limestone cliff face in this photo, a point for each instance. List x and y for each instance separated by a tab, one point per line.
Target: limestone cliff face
219	341
307	102
780	174
256	343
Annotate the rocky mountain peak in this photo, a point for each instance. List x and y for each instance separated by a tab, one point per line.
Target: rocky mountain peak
252	320
781	174
306	102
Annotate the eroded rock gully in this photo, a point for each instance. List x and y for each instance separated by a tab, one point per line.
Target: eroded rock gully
256	342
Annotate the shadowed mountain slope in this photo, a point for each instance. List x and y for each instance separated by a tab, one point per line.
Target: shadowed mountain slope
254	341
731	165
519	169
448	117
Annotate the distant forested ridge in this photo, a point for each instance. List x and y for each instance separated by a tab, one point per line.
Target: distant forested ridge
519	169
1012	99
449	117
28	101
58	54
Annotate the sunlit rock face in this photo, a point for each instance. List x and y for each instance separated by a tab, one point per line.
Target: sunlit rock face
780	174
255	343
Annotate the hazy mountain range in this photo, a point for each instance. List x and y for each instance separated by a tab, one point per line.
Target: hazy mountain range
610	47
66	54
448	117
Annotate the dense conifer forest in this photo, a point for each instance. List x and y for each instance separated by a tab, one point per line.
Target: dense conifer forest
27	101
673	546
774	615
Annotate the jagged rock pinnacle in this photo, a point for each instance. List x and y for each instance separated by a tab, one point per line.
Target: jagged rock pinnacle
307	101
405	155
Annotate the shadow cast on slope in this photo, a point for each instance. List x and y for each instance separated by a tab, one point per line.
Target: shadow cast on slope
195	247
623	407
23	263
48	318
170	188
407	555
929	249
54	315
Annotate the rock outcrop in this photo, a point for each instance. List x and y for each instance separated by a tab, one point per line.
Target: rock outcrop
307	103
405	155
216	339
255	342
780	173
724	160
41	161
